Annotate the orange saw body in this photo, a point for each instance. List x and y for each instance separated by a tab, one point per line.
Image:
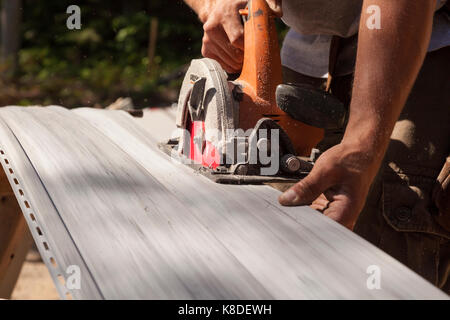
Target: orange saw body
260	76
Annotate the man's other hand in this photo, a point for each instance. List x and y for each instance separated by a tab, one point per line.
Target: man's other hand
337	186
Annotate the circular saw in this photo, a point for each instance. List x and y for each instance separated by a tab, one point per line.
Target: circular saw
233	130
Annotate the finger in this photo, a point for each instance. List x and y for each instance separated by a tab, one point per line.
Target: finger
305	191
224	64
235	32
219	55
236	62
212	50
321	203
275	6
229	51
215	37
341	211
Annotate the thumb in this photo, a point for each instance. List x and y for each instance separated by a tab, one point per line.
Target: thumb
275	6
305	191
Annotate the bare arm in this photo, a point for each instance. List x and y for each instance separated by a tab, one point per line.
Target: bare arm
201	7
387	65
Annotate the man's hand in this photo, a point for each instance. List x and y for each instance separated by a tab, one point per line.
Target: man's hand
337	186
387	65
223	38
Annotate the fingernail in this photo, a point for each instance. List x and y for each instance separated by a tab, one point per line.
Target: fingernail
289	197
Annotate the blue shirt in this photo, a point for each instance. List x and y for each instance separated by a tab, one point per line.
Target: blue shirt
441	31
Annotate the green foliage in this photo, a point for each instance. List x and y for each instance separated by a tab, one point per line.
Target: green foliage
107	58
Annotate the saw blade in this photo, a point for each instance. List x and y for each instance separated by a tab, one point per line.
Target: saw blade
206	96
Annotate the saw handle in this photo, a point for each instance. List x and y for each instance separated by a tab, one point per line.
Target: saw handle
262	62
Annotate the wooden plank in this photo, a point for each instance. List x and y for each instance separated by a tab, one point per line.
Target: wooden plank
147	227
159	124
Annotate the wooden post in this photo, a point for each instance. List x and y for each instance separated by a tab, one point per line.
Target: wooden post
10	34
153	36
15	238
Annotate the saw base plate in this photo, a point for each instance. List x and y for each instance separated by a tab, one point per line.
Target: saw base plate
168	148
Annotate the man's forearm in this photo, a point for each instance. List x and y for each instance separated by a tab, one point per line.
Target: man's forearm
201	7
387	65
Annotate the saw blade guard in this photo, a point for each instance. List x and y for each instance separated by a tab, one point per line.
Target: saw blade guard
207	113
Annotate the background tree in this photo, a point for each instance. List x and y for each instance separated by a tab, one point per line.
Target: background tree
11	12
